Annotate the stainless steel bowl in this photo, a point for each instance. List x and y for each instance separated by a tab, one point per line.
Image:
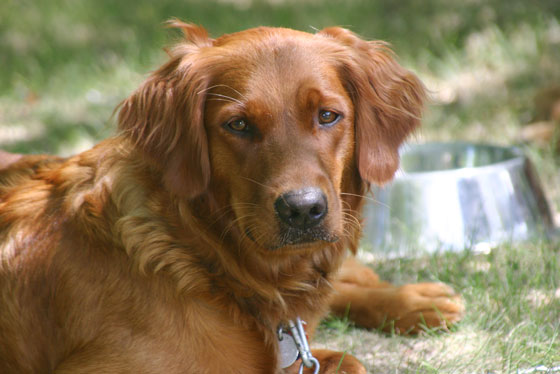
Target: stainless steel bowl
456	196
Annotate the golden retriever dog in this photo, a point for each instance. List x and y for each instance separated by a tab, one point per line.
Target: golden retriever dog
218	217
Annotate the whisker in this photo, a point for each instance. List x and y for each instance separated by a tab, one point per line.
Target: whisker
253	240
367	198
218	99
209	88
223	214
218	214
231	225
346	234
352	220
346	206
234	90
236	204
234	221
222	85
226	98
352	224
357	195
258	183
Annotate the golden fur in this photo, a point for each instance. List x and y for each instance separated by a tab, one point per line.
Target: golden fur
159	250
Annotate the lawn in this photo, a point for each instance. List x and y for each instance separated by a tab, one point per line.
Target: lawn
67	64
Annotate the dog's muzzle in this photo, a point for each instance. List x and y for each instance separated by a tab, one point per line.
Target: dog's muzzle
301	214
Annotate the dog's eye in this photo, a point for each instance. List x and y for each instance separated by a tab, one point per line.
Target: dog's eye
328	118
238	125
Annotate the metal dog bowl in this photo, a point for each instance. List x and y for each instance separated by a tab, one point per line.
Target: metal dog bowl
456	196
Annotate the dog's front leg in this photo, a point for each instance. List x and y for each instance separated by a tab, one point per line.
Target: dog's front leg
407	309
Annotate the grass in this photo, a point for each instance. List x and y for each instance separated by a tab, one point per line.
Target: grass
512	321
67	64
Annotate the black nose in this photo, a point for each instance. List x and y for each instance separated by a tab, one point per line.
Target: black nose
302	209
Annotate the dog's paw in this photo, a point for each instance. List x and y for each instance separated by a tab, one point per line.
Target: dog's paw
421	306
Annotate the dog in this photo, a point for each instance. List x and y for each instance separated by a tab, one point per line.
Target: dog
544	128
217	218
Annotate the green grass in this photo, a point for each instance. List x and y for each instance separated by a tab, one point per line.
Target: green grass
512	322
66	64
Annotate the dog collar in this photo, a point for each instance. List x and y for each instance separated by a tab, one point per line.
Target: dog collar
293	344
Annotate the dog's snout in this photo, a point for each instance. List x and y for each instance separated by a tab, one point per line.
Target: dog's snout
302	209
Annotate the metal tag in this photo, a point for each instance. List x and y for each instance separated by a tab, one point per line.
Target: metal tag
287	351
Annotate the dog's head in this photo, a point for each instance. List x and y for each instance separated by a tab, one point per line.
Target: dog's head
278	125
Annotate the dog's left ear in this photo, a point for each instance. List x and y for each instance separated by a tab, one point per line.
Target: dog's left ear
164	116
388	102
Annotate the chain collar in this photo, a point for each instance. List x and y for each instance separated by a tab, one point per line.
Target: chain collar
296	335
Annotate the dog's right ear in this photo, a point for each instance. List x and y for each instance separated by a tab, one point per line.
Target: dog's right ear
164	116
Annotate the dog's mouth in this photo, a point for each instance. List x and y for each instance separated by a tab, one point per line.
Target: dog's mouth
296	238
